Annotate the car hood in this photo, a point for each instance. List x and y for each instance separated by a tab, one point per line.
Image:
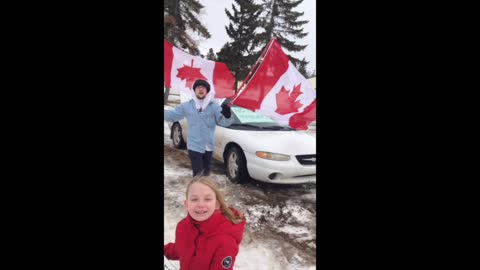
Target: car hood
282	142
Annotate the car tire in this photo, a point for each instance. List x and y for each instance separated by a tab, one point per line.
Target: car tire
236	165
177	138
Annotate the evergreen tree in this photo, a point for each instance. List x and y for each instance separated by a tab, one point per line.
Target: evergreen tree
180	16
241	53
302	68
280	20
211	55
227	56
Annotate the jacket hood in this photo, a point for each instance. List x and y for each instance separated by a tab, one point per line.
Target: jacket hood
204	103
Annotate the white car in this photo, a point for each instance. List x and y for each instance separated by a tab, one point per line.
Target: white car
257	147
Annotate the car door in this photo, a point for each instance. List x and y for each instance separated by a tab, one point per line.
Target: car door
220	142
183	124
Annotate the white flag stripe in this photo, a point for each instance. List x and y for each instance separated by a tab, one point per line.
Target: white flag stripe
288	80
180	59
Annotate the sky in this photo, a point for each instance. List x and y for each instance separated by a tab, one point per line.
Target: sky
214	18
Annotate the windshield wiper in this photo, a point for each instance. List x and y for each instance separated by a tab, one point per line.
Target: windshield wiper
245	125
278	128
273	128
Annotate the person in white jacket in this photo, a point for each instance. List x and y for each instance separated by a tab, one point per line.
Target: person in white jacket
202	116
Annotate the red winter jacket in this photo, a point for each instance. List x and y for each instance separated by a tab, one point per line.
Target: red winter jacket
208	245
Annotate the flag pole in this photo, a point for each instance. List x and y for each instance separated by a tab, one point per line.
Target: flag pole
254	69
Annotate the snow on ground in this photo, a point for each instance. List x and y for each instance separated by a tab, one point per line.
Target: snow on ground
260	248
281	220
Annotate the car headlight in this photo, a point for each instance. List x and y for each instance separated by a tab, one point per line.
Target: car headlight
272	156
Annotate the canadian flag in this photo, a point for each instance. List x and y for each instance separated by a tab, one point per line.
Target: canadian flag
279	91
181	70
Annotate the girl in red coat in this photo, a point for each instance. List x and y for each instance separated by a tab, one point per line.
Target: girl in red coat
209	237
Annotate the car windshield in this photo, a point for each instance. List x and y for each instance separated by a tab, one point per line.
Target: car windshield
246	119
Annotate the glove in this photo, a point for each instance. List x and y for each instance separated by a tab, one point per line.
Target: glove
226	110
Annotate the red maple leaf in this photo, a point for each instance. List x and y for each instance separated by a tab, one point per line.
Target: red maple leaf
287	103
190	74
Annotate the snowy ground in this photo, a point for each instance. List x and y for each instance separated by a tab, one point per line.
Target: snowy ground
281	219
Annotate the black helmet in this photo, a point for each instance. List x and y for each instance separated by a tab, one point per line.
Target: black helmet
201	82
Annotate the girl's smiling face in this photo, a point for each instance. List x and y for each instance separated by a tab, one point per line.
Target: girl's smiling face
201	202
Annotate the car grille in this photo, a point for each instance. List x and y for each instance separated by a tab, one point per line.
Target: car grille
307	159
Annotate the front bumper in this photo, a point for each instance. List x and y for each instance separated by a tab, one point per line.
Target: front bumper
280	172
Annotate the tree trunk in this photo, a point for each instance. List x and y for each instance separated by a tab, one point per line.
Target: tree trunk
165	95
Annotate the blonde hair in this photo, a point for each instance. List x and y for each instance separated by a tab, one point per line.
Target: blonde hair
226	211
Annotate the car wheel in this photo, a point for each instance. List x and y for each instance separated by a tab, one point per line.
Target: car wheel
177	138
236	165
